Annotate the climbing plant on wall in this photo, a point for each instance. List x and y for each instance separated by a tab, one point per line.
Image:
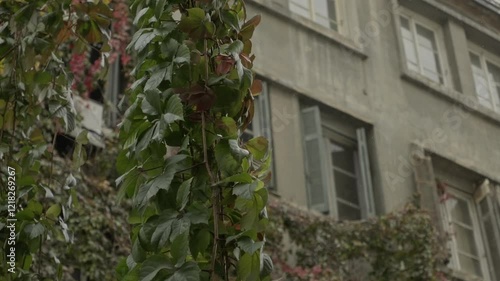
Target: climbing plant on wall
198	191
37	39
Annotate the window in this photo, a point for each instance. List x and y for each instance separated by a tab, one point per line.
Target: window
474	225
487	80
261	124
323	12
338	176
421	48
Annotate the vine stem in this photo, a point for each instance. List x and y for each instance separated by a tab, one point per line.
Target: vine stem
215	199
215	190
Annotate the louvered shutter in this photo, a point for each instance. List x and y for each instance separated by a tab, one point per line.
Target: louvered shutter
315	160
265	124
425	181
485	198
366	192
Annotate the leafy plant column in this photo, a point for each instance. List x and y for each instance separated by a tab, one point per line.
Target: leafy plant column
198	191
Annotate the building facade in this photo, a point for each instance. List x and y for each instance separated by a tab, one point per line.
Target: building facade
369	102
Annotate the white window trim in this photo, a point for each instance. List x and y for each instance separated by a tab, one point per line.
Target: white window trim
484	57
262	125
339	12
439	37
364	184
328	137
452	244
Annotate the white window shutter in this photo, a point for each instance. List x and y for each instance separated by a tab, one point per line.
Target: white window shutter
425	181
265	113
264	120
491	229
315	160
366	194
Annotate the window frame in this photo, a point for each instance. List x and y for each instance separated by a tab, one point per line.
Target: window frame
339	11
332	135
477	232
323	132
262	125
415	19
486	57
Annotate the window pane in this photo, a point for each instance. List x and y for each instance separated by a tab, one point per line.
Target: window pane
485	210
480	81
346	188
492	244
321	12
465	240
470	265
343	157
300	7
494	74
314	177
428	53
347	212
332	13
460	211
409	45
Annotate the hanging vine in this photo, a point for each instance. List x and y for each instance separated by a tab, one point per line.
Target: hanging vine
36	106
198	191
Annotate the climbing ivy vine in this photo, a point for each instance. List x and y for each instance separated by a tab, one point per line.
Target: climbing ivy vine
198	191
37	39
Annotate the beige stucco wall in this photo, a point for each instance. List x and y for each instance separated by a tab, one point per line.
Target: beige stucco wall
365	79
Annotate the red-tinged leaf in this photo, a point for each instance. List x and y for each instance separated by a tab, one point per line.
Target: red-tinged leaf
202	99
252	22
256	87
224	64
258	147
245	60
249	106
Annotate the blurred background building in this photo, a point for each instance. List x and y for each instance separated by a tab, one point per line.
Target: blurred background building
367	103
370	102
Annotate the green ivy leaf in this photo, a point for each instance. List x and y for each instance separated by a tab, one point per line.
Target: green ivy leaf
25	214
54	211
155	80
241	178
138	252
153	265
144	39
155	233
234	48
226	126
140	14
258	147
249	267
230	18
180	248
183	194
228	164
246	190
193	22
34	230
197	213
236	150
163	181
249	246
199	242
189	271
35	207
174	111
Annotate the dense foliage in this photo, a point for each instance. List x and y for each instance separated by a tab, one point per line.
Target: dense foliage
198	192
38	43
402	245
